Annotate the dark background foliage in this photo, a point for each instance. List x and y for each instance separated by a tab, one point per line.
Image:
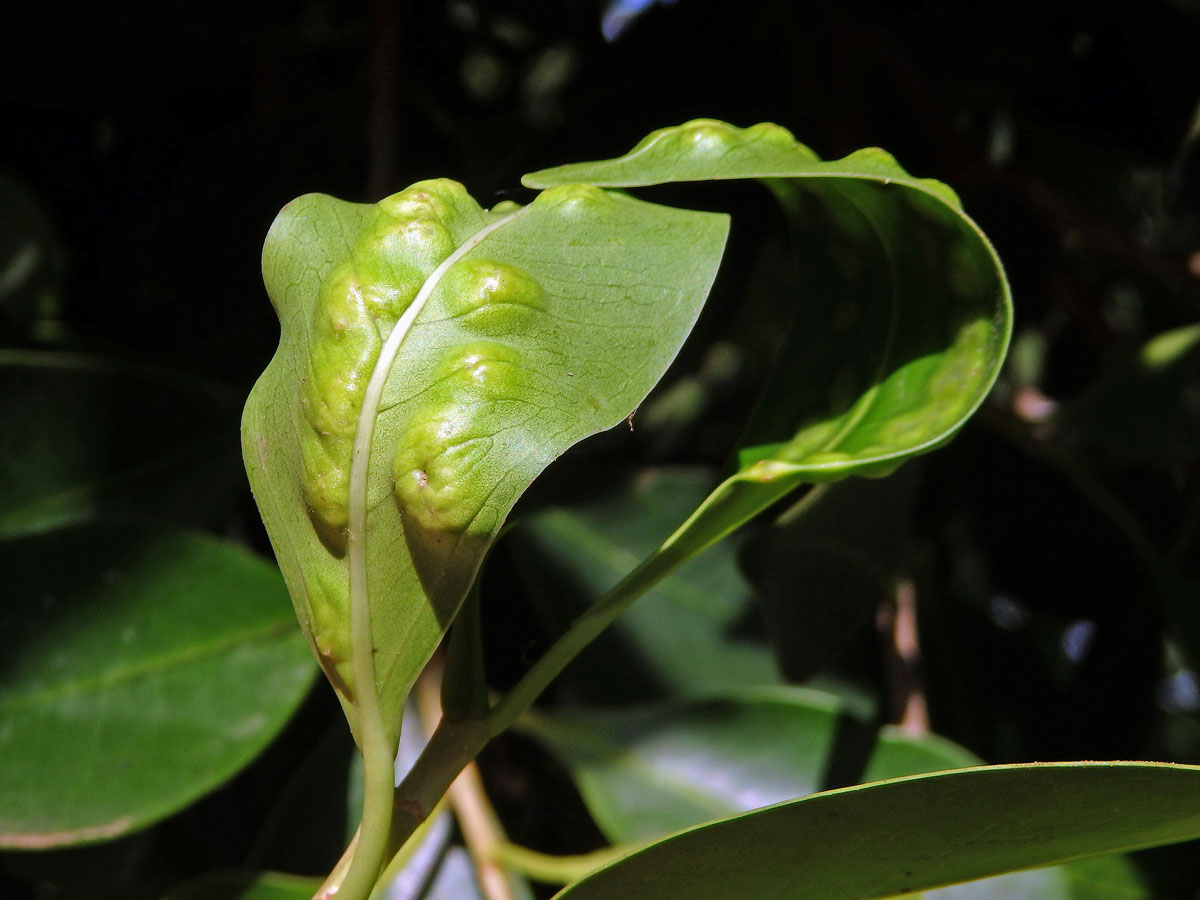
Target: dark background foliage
146	148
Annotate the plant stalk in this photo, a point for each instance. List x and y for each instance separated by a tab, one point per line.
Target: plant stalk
453	744
557	869
582	632
379	781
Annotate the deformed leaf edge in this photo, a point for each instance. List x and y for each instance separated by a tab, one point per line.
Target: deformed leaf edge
868	163
872	164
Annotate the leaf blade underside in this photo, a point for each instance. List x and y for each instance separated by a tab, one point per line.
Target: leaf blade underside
553	327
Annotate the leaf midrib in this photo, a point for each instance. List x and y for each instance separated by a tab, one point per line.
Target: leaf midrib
362	637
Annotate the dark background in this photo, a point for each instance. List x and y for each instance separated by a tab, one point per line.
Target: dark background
149	146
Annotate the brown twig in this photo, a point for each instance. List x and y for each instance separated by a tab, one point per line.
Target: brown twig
481	829
898	625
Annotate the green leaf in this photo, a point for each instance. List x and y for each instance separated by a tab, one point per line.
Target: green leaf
678	638
1097	878
466	350
87	438
706	149
650	770
898	754
145	666
913	834
902	320
247	886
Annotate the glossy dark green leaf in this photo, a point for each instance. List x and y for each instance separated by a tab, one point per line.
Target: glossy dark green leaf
682	636
914	834
648	771
486	390
247	886
88	438
145	666
903	312
897	754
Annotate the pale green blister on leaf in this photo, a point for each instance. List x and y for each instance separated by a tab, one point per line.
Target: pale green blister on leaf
405	239
500	338
903	313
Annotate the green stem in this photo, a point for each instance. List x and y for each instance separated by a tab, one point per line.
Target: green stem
376	738
379	781
405	854
797	510
726	509
455	743
582	632
555	869
451	746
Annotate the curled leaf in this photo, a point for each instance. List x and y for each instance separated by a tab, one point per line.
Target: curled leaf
902	316
434	358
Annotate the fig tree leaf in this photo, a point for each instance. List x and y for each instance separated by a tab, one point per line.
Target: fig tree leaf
145	667
903	313
914	834
454	353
